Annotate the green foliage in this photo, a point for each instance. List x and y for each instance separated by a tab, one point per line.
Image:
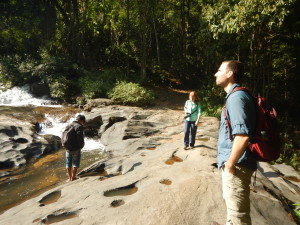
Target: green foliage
57	72
92	87
209	108
25	25
60	88
16	70
245	17
297	210
294	161
98	84
290	154
129	93
7	66
212	100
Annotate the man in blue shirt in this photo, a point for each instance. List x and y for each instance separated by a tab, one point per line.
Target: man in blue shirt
234	157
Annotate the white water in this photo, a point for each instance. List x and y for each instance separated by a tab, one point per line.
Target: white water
54	126
20	96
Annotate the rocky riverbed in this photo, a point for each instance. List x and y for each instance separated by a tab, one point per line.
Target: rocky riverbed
148	178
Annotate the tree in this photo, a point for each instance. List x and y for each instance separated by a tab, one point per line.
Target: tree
25	26
256	22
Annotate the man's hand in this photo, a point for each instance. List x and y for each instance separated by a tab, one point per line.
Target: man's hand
240	143
229	168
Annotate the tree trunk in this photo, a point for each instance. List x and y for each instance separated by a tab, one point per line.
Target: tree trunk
183	33
127	34
144	30
144	55
156	40
75	33
253	80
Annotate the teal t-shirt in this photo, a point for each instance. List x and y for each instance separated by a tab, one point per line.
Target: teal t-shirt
190	107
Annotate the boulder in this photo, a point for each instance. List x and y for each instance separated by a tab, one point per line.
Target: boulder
20	142
92	125
40	90
96	103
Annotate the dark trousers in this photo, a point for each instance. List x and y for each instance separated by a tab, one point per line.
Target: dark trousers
190	130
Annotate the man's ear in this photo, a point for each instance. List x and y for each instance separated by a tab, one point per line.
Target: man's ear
230	74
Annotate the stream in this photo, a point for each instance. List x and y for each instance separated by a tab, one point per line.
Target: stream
40	175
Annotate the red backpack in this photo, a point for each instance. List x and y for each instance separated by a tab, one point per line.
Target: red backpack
266	144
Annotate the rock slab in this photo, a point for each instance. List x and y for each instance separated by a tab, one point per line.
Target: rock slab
150	179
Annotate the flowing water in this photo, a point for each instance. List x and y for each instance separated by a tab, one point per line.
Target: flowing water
49	171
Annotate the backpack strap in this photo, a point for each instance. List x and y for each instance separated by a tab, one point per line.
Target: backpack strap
224	108
193	111
227	122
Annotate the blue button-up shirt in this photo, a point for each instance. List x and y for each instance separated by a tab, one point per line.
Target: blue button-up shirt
240	111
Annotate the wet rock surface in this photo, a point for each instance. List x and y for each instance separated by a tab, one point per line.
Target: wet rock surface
40	90
148	178
20	142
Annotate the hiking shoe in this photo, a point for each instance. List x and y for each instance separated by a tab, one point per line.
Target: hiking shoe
186	148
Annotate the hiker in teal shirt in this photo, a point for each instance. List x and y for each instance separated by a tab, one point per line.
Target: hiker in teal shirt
192	112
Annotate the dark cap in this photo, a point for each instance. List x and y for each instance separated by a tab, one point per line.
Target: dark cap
80	117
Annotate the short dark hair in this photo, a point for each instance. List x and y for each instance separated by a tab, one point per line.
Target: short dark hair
80	117
237	69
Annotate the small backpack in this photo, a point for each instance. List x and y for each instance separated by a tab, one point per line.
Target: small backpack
266	145
68	137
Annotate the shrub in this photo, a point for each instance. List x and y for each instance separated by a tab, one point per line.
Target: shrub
211	101
59	88
91	87
290	146
210	108
297	211
129	93
16	70
98	84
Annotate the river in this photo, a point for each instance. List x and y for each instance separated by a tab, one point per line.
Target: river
40	175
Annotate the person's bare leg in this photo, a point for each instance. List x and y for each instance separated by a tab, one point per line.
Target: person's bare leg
69	171
74	172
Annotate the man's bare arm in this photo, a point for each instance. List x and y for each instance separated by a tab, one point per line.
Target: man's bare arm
240	143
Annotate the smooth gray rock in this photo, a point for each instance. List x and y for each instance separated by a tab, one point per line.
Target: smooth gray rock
19	142
150	179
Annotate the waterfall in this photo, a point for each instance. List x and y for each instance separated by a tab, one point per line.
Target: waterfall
20	96
53	124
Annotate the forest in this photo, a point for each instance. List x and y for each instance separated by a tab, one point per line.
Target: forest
90	48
